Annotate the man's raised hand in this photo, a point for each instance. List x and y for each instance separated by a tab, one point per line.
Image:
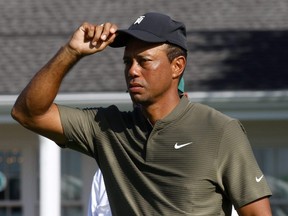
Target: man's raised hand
90	38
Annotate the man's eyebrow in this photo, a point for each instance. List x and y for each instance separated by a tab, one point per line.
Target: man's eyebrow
139	55
126	58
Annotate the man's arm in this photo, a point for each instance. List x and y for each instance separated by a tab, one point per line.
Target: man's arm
260	207
34	108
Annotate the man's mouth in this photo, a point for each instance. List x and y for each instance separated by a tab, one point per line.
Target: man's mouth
134	87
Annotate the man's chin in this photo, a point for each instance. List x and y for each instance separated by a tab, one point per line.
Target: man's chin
138	99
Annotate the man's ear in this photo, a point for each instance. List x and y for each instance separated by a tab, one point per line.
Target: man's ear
178	65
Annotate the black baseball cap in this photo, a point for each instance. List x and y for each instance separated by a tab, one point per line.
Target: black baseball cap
153	28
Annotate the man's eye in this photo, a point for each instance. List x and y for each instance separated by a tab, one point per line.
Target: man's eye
143	61
126	62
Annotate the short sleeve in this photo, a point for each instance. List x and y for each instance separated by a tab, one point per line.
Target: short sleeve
78	128
239	175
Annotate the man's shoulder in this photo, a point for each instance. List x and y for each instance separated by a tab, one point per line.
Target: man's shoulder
205	112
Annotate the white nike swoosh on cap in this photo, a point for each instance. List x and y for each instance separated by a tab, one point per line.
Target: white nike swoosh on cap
178	146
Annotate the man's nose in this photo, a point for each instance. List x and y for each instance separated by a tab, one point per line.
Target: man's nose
134	69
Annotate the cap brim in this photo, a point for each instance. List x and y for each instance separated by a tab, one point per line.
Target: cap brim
123	37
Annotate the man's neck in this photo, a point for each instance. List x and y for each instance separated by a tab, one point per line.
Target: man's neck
158	111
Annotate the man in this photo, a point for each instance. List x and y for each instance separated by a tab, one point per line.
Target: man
98	202
166	157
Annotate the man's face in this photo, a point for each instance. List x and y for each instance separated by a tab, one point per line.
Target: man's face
148	71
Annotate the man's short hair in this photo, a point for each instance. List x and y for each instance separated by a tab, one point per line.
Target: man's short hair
174	51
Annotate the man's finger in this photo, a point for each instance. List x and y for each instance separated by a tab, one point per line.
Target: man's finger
109	29
89	30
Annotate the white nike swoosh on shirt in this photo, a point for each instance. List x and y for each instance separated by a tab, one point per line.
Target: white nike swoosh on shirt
259	179
178	146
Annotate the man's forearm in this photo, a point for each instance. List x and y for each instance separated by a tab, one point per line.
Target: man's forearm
40	93
35	103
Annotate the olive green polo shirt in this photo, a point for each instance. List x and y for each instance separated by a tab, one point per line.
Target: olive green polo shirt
195	161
